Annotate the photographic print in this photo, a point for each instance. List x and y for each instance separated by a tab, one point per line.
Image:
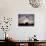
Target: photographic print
25	19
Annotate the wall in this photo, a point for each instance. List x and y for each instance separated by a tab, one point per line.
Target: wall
11	8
